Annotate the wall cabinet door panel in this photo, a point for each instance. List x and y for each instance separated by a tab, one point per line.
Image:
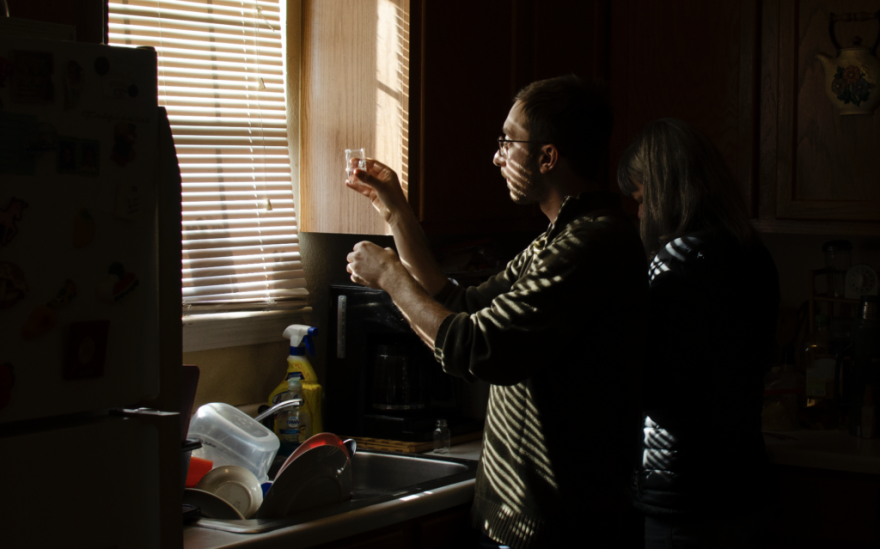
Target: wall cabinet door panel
691	60
828	164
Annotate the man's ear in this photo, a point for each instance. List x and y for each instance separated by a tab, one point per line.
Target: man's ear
548	158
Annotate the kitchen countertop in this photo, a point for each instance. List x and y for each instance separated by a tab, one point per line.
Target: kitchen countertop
832	450
347	524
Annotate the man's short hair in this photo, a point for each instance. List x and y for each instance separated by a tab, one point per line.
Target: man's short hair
575	116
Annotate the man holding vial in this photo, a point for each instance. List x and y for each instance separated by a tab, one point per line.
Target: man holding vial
556	334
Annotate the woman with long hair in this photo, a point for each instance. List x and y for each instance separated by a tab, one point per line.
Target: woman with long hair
701	480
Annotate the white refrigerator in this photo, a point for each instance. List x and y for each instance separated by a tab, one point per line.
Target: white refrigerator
89	300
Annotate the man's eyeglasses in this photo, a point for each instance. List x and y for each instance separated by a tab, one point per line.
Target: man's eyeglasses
503	145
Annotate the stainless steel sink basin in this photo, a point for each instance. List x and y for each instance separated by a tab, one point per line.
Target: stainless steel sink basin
376	477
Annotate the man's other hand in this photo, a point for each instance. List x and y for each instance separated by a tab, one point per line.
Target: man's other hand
380	184
373	266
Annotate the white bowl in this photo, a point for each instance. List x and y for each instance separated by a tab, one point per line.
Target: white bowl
211	505
320	476
236	485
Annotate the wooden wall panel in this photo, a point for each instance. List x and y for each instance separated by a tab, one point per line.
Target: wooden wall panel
355	93
691	60
828	166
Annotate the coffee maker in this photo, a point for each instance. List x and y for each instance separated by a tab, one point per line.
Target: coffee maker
382	381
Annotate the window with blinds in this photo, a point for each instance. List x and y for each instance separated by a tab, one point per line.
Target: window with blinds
221	79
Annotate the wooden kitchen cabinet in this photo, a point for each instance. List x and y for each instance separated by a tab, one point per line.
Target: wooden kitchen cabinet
460	65
443	529
816	164
692	60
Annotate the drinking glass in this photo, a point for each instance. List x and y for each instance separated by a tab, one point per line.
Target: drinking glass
355	153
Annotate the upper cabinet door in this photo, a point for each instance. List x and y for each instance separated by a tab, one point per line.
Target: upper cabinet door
828	164
693	60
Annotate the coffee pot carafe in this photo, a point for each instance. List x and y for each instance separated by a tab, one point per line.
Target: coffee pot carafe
398	383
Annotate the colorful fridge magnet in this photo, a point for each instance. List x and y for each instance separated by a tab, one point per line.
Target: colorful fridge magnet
124	136
86	349
41	137
102	66
128	201
12	284
9	219
83	229
87	157
64	296
41	320
32	77
43	317
7	382
73	83
118	285
66	155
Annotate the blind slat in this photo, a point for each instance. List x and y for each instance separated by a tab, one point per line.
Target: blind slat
221	80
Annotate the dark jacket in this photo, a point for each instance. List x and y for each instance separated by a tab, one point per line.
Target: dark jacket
553	334
711	332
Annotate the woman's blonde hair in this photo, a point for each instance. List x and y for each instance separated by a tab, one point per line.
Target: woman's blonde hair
686	185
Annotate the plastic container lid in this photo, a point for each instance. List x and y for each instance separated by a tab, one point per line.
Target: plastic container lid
231	437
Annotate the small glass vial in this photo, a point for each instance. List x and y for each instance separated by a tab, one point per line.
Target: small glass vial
441	438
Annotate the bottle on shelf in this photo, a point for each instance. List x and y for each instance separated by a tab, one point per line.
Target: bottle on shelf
442	438
784	389
820	364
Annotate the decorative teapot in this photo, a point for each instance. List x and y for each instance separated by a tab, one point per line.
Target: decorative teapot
852	78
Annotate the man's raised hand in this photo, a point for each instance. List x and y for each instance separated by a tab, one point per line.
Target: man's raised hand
380	184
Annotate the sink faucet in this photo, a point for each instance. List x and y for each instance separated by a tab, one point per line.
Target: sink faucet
281	405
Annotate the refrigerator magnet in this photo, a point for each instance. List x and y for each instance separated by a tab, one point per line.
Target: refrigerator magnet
119	284
41	137
128	201
73	84
66	155
13	286
102	66
7	382
9	219
87	157
41	320
32	77
86	349
84	229
64	296
124	136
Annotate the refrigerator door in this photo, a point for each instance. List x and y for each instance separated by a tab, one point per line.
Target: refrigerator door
79	326
106	482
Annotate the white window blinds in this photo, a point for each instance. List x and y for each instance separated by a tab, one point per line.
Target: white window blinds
221	79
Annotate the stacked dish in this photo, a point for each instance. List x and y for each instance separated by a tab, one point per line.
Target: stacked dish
320	475
228	492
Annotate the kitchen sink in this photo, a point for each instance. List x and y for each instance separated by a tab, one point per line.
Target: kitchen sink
377	477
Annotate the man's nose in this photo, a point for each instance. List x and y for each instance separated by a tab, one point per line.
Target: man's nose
498	160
